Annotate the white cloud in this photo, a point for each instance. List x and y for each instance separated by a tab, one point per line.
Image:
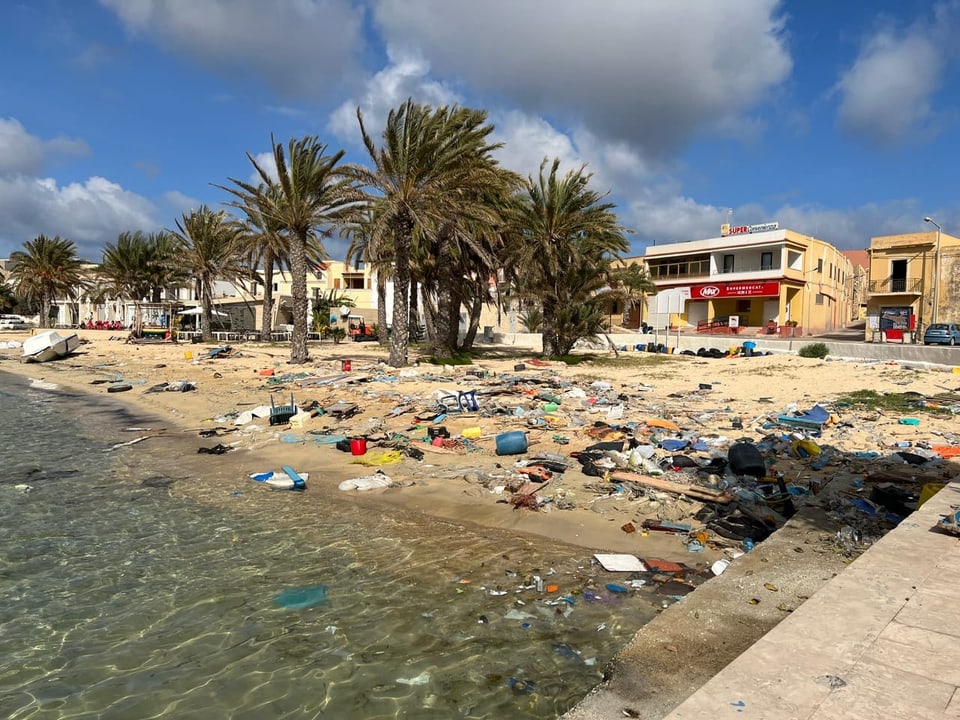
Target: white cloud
303	48
653	73
268	164
886	93
21	152
406	75
89	213
180	203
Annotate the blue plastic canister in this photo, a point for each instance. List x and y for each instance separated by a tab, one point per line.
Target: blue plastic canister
512	443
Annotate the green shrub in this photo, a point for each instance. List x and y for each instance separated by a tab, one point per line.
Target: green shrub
814	350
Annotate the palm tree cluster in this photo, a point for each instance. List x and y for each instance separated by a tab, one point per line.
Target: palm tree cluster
433	211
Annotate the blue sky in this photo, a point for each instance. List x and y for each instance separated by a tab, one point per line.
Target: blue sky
836	119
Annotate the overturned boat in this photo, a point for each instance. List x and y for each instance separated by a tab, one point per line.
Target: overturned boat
49	345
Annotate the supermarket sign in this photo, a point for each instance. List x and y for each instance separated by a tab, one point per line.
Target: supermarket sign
727	229
735	290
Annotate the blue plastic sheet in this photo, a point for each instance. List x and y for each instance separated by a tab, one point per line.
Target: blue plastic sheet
301	598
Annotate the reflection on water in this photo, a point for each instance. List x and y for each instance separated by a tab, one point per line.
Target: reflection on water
132	591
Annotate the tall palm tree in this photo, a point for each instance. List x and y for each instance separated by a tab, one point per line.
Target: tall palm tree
209	249
428	172
45	270
567	236
309	196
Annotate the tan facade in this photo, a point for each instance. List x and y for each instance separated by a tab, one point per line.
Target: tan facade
776	280
908	288
359	284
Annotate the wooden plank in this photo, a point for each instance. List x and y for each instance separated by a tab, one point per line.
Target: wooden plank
658	483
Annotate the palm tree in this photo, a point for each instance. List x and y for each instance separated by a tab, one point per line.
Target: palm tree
140	266
45	270
375	255
308	194
568	238
427	177
209	249
633	284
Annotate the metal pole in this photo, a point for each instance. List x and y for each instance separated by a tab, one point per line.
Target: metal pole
936	271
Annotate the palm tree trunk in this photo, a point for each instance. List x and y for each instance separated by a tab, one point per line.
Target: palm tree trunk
400	334
206	305
413	326
381	309
44	311
266	322
476	309
298	289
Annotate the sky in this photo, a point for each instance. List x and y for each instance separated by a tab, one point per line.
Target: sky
835	119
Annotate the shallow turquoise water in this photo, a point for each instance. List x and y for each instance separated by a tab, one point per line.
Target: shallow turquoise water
123	598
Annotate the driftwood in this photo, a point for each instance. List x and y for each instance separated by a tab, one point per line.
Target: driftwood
694	491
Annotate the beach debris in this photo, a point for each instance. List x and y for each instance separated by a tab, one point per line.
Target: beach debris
620	562
301	598
286	479
367	482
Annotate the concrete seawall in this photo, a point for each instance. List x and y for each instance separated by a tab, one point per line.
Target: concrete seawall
921	355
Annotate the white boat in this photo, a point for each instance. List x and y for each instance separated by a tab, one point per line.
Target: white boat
49	345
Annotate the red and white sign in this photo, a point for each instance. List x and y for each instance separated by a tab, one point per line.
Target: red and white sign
734	290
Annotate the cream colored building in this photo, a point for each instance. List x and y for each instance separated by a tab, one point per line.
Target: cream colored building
762	276
908	288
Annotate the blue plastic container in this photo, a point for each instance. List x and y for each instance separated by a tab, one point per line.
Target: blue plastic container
512	443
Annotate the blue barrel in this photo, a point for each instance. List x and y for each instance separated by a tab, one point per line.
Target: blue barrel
640	347
512	443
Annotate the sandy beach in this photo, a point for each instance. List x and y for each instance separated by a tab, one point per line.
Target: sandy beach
718	400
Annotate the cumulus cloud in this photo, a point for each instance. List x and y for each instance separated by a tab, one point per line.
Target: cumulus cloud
642	72
89	213
302	48
21	152
886	93
406	75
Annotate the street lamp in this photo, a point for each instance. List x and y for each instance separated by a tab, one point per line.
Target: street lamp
936	270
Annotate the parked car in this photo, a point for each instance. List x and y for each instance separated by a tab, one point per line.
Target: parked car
942	334
14	322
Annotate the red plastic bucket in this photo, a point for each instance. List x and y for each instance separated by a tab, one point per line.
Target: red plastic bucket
358	446
345	366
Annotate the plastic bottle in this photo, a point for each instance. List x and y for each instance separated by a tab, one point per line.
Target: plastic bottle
747	545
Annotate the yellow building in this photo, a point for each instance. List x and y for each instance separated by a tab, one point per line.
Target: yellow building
357	283
908	288
763	277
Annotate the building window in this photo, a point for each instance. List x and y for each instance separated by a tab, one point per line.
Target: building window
766	261
743	306
728	263
820	266
821	298
276	287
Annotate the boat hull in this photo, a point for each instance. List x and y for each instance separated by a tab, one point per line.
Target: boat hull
49	345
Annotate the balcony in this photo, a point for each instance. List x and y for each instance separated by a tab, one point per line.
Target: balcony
896	286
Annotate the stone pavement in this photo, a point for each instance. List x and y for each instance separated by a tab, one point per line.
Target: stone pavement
880	640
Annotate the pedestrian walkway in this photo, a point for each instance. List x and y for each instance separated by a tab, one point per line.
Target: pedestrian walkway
880	640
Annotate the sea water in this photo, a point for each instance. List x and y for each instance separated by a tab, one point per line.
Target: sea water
131	590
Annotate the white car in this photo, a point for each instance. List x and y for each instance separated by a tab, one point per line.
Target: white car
14	322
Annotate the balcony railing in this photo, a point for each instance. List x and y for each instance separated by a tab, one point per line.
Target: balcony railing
892	286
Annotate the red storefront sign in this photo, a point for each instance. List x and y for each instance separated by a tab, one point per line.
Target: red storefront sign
734	290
